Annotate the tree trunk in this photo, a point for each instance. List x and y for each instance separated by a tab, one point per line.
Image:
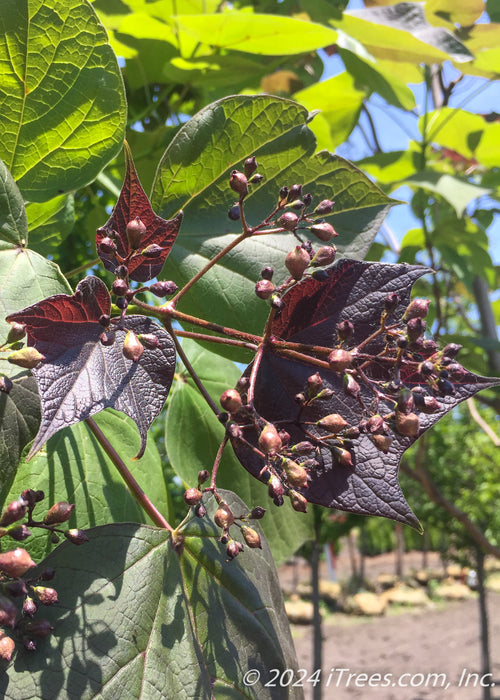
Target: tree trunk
317	629
483	621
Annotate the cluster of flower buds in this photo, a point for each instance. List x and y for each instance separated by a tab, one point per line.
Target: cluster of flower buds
16	584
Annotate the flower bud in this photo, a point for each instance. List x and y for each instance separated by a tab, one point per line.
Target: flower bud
277	302
233	549
29	607
342	456
314	385
288	221
8	612
234	213
119	287
251	537
302	448
415	329
257	513
275	487
48	574
407	424
345	330
324	256
37	628
15	588
250	166
426	368
152	251
351	386
121	271
28	357
297	204
283	193
107	338
59	513
202	476
17	332
104	320
295	192
7	647
376	424
163	289
135	232
231	401
297	262
16	562
149	340
405	401
264	289
107	247
451	350
296	474
238	183
256	179
307	199
14	512
445	387
418	308
339	360
298	501
390	302
267	273
32	497
200	511
382	442
19	532
5	384
76	536
224	516
325	207
45	595
269	440
132	347
192	497
324	231
333	422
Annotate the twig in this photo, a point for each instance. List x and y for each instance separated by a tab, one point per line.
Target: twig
471	405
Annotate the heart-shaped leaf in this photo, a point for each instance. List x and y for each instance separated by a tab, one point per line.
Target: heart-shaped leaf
83	373
61	93
151	234
275	131
355	464
137	619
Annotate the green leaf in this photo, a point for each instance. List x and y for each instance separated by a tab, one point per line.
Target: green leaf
194	176
50	223
74	468
193	435
456	129
372	76
339	102
457	191
392	166
137	620
272	35
401	33
20	418
449	13
63	104
13	222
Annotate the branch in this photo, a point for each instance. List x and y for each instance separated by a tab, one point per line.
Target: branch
471	405
422	476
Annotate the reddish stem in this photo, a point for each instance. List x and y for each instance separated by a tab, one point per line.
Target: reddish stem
124	471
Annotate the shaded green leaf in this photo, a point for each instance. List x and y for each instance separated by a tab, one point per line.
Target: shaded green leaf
73	467
401	33
63	104
457	191
194	176
13	222
50	223
449	13
255	33
139	621
193	435
19	421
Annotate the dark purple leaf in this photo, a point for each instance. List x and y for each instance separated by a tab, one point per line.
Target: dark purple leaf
81	375
355	291
133	203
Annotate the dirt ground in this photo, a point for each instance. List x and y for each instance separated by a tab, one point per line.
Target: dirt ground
402	652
